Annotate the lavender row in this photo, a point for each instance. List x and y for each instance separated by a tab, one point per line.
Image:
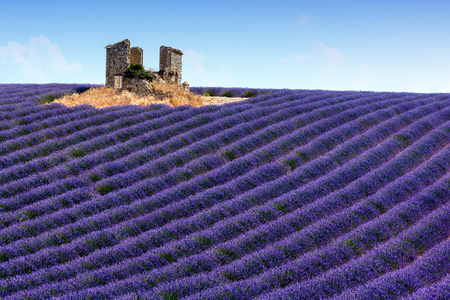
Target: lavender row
408	113
268	100
32	128
193	268
32	93
88	140
76	166
9	234
232	168
237	92
118	256
33	108
309	267
233	271
210	109
23	104
323	115
15	175
281	127
91	241
141	156
55	203
80	131
34	145
130	196
279	114
432	291
312	239
299	140
115	164
24	115
41	116
394	253
427	269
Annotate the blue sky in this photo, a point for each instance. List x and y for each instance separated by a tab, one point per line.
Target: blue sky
334	45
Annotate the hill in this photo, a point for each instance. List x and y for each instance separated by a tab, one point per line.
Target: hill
291	194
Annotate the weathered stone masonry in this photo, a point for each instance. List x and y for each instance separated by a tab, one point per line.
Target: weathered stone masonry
117	61
170	64
137	56
119	56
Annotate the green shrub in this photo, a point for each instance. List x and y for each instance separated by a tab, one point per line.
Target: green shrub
48	99
228	94
104	188
137	71
209	92
228	154
249	94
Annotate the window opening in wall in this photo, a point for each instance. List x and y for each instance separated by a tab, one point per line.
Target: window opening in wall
118	82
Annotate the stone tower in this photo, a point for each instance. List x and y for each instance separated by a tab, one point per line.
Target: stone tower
117	61
170	64
119	56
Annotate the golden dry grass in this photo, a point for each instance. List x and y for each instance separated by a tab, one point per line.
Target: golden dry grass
103	97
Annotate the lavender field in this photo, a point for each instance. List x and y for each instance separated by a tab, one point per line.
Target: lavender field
290	194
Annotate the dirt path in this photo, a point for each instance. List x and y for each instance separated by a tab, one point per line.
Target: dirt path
208	100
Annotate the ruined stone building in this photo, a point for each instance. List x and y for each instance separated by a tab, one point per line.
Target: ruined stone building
170	64
120	56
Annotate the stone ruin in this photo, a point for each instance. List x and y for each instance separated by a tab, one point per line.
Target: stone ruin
120	56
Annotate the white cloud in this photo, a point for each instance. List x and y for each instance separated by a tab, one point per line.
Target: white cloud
298	57
39	61
329	55
358	77
15	51
193	63
225	77
288	62
195	72
304	20
34	75
40	47
320	67
324	58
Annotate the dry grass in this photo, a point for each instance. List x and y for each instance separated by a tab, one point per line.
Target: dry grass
103	97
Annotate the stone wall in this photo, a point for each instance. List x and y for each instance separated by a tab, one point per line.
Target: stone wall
137	56
144	88
163	58
117	61
137	86
170	64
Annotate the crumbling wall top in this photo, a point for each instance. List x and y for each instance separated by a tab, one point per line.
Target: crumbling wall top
171	49
126	41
